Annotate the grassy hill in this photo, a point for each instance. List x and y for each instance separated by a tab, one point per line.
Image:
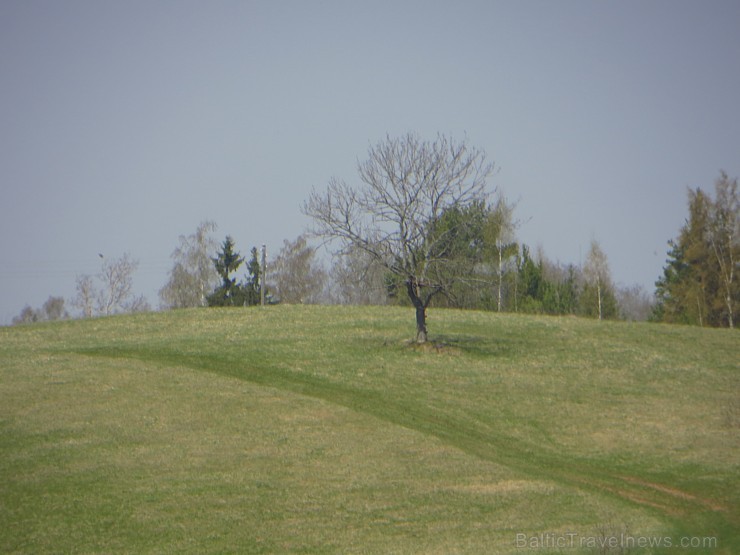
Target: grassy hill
322	429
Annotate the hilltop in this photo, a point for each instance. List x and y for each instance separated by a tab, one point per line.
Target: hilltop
324	429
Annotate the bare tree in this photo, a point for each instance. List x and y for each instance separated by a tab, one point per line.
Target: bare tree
85	299
193	275
724	236
137	304
634	303
358	279
406	186
27	316
53	309
596	272
114	293
116	279
296	276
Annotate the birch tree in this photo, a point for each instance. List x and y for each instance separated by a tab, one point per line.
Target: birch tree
85	298
724	237
193	275
115	294
499	235
112	292
596	272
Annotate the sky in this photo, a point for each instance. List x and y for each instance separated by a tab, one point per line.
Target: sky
123	125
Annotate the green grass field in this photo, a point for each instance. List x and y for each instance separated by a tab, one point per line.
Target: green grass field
323	429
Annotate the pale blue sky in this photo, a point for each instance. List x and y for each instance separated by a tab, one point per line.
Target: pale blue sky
124	124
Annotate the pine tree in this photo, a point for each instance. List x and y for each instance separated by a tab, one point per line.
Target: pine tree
252	284
684	291
668	307
227	262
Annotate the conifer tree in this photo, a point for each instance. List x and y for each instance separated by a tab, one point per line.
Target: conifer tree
227	262
252	286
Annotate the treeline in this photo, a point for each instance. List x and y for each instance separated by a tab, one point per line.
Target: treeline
525	283
487	269
109	292
499	275
205	273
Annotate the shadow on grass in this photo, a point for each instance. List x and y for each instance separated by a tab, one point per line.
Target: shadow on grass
477	346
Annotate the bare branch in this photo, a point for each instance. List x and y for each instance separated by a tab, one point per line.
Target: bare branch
406	184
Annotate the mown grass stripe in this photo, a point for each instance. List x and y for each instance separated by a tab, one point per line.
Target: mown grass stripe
669	503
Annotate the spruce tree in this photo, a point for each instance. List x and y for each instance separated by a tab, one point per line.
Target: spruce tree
252	284
227	262
685	287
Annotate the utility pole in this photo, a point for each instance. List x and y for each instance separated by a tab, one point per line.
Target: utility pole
263	270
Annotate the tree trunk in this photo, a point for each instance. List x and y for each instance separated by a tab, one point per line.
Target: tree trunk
421	311
730	321
728	288
500	274
421	324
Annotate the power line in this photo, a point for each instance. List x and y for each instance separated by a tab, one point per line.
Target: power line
60	269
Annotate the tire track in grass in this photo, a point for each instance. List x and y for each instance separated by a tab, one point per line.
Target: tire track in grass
682	509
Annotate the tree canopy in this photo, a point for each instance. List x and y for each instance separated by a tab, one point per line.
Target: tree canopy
395	212
232	292
699	284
